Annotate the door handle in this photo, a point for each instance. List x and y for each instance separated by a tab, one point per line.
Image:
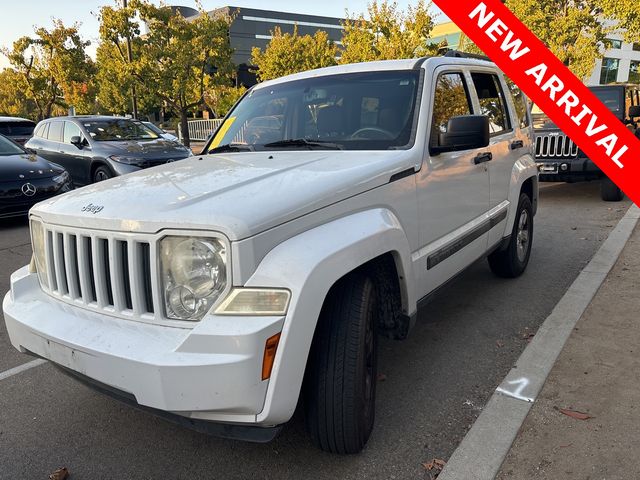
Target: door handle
483	157
517	144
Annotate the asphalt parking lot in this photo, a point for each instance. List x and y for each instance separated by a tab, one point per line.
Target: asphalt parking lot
433	387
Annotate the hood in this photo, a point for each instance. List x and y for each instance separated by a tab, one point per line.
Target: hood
237	194
160	149
26	166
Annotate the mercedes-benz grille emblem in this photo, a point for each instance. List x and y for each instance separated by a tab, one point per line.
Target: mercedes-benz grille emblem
28	189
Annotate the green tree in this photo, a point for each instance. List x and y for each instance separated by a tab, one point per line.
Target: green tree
388	33
174	60
626	15
114	83
289	53
13	100
220	98
54	68
572	29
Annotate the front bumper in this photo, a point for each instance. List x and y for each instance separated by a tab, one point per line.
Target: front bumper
209	372
567	169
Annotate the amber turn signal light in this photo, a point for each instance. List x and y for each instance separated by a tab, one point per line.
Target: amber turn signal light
270	348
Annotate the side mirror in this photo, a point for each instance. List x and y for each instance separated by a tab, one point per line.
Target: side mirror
634	111
77	141
463	133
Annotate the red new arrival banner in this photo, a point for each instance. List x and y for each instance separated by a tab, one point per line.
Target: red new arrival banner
551	86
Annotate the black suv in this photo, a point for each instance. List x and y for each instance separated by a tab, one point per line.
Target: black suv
560	160
17	129
94	148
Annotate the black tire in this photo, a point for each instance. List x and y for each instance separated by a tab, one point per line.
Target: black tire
101	173
512	261
340	382
609	191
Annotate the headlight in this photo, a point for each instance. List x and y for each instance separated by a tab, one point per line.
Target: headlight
126	160
194	275
38	245
64	177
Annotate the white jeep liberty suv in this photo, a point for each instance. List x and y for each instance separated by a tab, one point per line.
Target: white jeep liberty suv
221	289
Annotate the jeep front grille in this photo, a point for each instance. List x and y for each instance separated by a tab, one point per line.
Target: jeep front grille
555	146
111	272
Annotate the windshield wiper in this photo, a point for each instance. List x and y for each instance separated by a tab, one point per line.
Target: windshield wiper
231	147
303	142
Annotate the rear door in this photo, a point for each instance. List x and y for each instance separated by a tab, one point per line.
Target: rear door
507	143
41	144
453	189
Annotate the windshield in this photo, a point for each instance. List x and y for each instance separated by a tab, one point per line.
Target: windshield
609	96
17	128
7	147
358	111
109	130
153	128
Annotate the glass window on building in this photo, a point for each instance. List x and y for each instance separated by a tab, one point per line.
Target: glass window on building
609	70
448	42
636	47
612	43
634	72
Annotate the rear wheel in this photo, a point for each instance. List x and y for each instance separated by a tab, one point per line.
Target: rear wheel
101	173
340	382
609	191
512	261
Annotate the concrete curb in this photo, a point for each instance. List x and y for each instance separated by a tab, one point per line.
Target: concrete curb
484	448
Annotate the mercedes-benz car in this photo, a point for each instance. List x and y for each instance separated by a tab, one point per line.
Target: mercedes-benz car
95	148
26	179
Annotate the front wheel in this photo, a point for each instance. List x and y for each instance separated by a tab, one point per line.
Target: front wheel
340	382
101	173
512	261
609	191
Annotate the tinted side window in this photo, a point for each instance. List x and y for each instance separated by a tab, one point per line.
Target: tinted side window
521	102
55	131
39	130
451	99
492	102
71	130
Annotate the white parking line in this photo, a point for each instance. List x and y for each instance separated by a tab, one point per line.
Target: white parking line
21	368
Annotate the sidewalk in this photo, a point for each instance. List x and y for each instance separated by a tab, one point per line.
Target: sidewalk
597	373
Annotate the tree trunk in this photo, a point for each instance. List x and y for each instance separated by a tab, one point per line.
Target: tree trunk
184	129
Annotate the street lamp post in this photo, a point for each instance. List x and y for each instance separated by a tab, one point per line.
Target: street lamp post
130	56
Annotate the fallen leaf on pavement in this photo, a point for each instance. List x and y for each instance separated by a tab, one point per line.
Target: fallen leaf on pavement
575	414
382	377
435	464
60	474
499	344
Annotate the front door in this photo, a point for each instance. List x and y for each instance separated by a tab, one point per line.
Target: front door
453	190
77	159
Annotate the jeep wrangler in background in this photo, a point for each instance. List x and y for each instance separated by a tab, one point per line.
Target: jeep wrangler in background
560	160
329	204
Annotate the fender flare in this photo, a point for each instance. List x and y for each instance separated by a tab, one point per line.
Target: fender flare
308	265
523	169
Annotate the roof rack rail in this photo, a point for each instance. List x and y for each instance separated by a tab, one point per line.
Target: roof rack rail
459	54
